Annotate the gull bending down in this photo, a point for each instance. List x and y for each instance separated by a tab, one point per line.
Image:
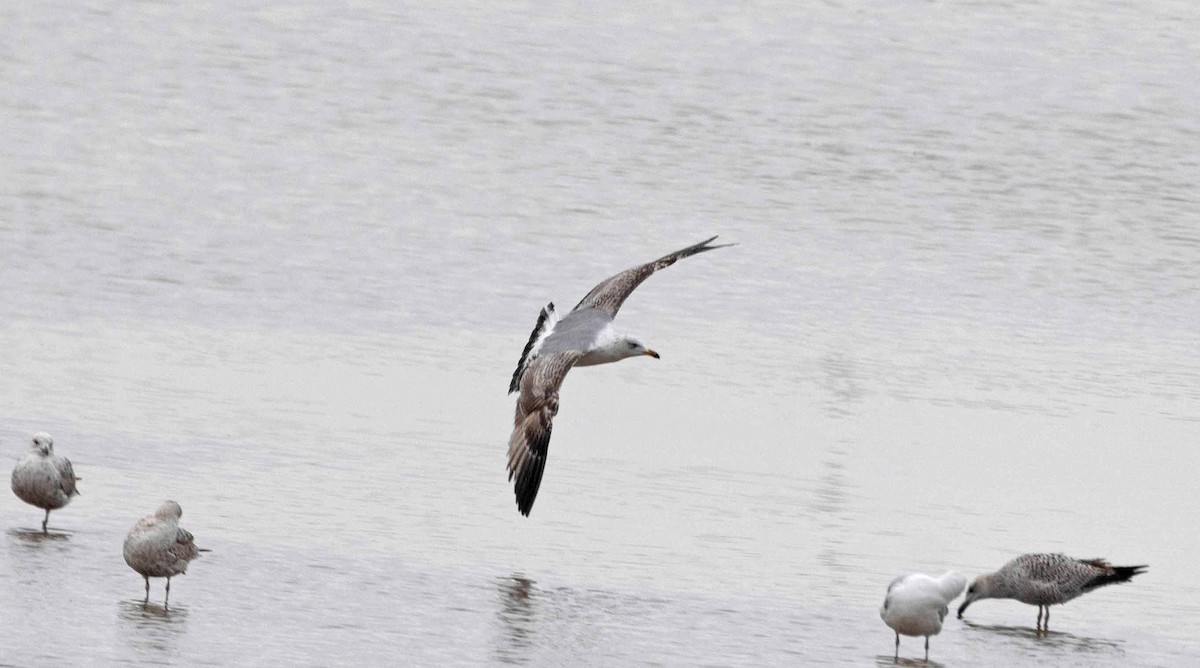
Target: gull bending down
44	479
1045	580
916	604
157	548
583	337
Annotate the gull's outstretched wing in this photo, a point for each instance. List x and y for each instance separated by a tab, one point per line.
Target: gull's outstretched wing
612	292
536	408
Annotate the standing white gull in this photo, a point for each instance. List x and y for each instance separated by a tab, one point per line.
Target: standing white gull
583	337
157	548
1046	579
44	479
916	604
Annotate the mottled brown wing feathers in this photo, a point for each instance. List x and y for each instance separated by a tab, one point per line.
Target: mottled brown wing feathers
534	420
1098	563
185	545
67	477
612	292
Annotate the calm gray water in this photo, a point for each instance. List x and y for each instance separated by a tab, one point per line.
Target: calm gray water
277	262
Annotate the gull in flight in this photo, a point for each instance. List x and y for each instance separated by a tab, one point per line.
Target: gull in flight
157	547
916	604
44	479
583	337
1045	580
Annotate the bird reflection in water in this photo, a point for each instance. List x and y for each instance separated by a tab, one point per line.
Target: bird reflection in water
891	660
842	401
37	536
518	598
152	628
1068	642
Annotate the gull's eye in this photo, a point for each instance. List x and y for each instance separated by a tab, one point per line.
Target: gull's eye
632	344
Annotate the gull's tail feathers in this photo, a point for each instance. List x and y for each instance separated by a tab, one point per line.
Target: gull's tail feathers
1114	574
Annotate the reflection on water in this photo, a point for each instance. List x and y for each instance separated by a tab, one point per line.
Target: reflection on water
560	625
892	660
843	387
832	511
517	600
36	558
1026	639
152	614
841	401
152	628
37	536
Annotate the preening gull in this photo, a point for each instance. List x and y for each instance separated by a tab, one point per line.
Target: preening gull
916	604
1046	579
157	548
44	479
583	337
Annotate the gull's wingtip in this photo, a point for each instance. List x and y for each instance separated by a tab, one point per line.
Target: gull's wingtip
705	244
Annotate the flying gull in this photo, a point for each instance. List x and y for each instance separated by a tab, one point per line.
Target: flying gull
44	479
157	548
1045	580
916	604
583	337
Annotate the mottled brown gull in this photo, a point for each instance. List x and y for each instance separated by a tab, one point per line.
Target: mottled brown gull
44	479
157	548
583	337
1045	580
916	604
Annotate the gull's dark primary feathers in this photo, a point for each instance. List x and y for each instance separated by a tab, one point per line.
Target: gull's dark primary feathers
533	422
582	337
545	322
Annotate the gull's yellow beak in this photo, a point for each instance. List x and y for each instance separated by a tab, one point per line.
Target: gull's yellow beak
651	353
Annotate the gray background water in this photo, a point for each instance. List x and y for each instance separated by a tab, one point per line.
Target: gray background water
277	262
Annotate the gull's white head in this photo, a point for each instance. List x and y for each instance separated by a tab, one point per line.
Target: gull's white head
169	510
632	347
43	443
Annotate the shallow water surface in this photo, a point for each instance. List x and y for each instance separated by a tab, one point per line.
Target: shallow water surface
277	263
